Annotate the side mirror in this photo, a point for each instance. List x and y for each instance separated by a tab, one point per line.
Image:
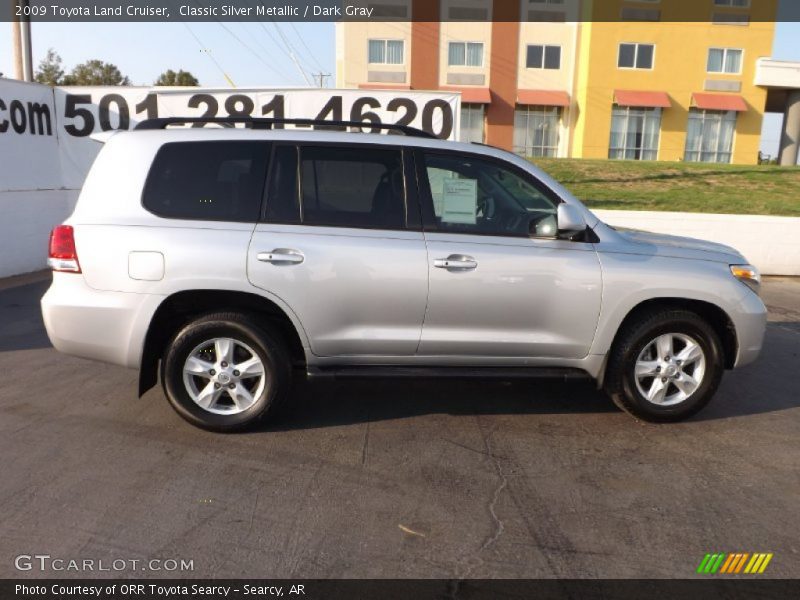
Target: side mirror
570	220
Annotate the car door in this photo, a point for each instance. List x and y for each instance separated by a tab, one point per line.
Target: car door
501	282
339	247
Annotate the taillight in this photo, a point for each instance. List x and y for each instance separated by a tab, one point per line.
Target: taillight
62	254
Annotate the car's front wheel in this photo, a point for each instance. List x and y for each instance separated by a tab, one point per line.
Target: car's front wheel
225	372
665	365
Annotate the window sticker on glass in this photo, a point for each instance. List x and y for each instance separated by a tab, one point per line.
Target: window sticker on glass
460	201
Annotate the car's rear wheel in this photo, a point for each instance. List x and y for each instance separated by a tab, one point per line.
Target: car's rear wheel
225	372
665	365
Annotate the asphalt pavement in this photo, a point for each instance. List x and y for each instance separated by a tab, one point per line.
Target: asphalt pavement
384	479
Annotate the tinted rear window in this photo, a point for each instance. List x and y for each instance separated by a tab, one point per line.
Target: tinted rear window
213	181
352	187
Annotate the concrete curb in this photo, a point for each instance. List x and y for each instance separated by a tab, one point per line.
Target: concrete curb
770	243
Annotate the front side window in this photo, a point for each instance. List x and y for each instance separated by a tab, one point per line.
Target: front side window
465	54
536	130
543	57
213	181
352	187
724	60
386	52
636	56
710	135
472	123
482	197
634	133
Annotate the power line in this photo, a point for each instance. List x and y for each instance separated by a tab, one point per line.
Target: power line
267	52
291	52
208	53
308	50
246	46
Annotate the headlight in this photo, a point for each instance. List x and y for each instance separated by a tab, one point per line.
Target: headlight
748	275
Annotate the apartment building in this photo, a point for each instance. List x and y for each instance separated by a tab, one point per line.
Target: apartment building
619	79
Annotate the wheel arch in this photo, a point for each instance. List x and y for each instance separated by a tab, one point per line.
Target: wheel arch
180	308
716	317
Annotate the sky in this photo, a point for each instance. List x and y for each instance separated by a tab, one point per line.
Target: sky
250	54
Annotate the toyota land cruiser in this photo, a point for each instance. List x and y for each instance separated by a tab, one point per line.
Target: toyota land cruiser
228	258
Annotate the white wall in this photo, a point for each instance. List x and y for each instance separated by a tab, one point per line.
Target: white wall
770	243
33	195
26	218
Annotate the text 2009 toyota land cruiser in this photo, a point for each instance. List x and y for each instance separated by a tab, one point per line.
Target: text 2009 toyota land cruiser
228	256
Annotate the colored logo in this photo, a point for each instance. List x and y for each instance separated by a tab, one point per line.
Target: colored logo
735	562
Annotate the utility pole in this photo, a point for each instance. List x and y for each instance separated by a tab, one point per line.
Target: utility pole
17	44
23	55
321	78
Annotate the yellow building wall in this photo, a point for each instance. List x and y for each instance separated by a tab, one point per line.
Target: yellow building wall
679	70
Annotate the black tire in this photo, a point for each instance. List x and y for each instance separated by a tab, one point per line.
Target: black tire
266	343
620	380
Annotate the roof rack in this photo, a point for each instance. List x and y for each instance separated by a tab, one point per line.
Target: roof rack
256	123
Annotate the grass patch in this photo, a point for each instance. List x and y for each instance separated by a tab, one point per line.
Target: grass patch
678	186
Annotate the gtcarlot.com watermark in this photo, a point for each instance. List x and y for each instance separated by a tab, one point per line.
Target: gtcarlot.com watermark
48	563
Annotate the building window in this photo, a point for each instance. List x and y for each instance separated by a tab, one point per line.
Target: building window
733	3
465	54
472	123
710	135
468	10
389	10
543	57
545	11
724	60
634	133
536	130
636	56
386	52
640	14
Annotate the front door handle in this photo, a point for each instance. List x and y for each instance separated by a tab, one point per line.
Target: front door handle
281	256
456	262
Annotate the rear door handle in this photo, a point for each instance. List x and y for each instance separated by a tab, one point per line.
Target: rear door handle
281	256
456	262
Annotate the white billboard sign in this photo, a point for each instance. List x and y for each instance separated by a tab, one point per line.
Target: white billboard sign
83	111
29	153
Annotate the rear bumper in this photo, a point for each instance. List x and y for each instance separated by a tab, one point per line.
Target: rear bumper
100	325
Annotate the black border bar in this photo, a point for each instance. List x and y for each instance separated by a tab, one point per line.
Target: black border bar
388	10
716	587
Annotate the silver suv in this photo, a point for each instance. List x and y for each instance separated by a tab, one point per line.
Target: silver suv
230	258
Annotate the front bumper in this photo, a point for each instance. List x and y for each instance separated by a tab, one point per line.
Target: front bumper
750	321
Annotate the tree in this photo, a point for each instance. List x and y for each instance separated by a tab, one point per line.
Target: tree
170	77
50	71
95	72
